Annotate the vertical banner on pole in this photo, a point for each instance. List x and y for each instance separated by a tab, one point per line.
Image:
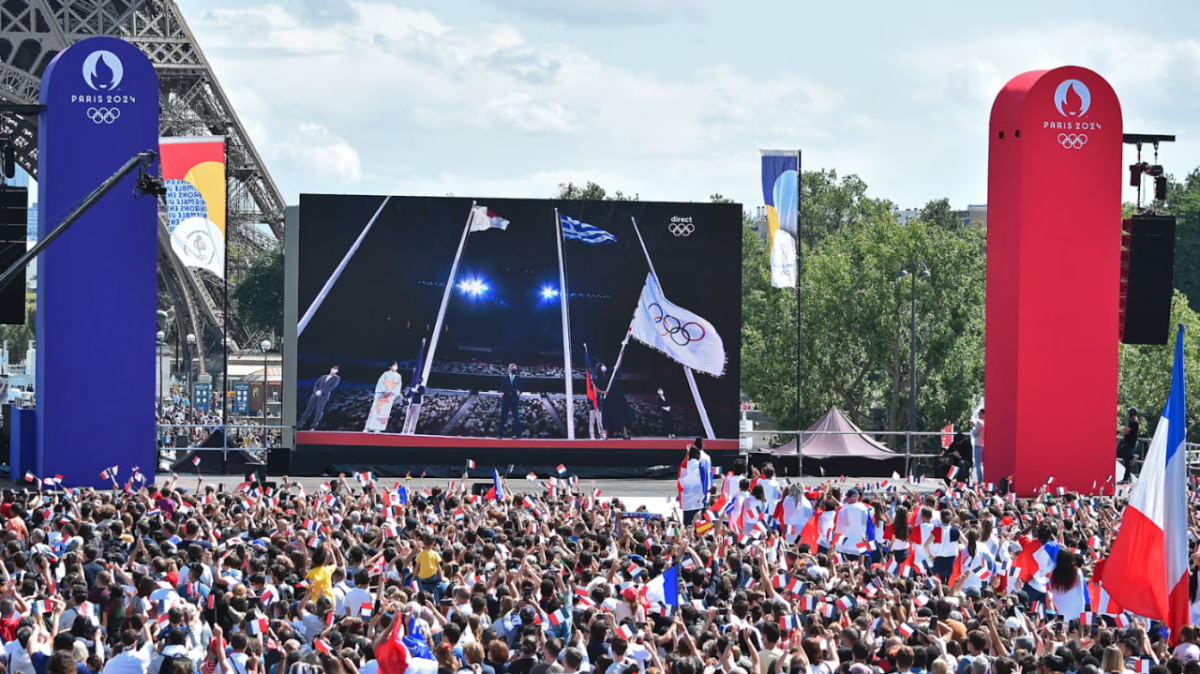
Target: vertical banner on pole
194	174
781	189
101	108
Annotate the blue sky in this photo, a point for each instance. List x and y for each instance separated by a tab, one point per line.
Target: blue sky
669	99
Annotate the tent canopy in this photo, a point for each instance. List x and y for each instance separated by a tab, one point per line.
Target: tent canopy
843	444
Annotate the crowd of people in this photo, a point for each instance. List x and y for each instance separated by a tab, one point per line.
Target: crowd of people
361	577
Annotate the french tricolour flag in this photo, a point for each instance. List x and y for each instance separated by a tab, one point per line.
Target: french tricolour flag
1147	570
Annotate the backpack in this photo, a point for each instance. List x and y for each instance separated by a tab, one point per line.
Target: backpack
174	663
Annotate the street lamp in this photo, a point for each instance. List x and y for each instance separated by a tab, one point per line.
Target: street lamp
160	338
912	352
266	346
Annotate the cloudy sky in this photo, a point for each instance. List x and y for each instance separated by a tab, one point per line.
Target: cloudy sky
669	99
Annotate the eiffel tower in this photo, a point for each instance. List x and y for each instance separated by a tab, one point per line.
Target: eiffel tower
32	32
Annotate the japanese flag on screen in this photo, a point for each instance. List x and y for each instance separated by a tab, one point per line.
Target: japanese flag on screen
483	219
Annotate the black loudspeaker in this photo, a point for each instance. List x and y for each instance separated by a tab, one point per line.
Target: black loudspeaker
14	216
6	434
1151	279
279	460
256	472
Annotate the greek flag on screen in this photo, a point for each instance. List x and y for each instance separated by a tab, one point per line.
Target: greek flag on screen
574	229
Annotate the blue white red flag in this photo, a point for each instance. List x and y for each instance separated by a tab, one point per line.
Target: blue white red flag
574	229
1147	570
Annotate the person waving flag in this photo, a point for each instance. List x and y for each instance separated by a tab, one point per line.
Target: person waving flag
1147	570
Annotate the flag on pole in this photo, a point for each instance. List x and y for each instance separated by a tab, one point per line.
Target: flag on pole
680	334
780	183
1147	570
574	229
482	219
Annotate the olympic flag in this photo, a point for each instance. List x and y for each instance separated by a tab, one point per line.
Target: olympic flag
194	173
781	185
677	332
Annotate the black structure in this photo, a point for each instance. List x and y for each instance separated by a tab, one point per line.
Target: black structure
14	216
1151	279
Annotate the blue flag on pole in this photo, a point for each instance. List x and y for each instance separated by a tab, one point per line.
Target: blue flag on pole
574	229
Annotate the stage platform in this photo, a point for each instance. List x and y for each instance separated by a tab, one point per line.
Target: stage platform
390	455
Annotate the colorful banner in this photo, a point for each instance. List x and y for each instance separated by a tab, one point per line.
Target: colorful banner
194	173
781	179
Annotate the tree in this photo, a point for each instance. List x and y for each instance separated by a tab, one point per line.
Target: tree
828	204
260	294
856	315
1145	370
1183	201
589	192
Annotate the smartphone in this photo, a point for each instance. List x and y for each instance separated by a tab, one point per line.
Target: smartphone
933	623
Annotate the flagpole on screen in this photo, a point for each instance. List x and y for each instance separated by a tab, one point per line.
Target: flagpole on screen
708	429
316	304
437	327
566	327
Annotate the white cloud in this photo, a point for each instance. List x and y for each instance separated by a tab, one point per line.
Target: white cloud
312	148
420	98
604	12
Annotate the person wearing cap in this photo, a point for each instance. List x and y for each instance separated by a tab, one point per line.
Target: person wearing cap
852	524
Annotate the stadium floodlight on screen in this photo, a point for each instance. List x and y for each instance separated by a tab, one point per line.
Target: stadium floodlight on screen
445	318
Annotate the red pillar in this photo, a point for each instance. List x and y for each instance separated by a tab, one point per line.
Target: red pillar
1054	248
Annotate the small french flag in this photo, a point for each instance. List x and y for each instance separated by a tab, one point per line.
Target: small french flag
626	632
845	602
561	469
196	460
906	630
470	464
953	473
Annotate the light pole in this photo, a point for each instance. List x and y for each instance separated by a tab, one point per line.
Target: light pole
266	345
160	338
912	353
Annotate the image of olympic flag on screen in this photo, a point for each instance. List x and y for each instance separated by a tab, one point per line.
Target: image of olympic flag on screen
480	283
677	332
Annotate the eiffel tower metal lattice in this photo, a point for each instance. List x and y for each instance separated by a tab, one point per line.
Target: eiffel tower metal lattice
32	32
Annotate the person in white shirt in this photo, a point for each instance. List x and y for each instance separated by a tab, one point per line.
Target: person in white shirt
797	511
691	485
131	659
851	525
739	502
772	490
731	486
360	595
17	652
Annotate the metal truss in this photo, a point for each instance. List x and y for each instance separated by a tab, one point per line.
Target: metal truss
192	103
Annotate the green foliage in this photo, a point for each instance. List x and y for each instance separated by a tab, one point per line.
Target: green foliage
19	336
260	293
828	204
1145	375
1183	201
856	314
589	192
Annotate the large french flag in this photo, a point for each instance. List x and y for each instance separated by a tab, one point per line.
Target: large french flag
1147	571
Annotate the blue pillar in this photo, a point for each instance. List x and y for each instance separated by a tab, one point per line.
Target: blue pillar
97	283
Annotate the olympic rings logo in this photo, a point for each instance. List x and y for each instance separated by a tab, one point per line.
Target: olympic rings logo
104	115
679	330
682	228
1072	141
